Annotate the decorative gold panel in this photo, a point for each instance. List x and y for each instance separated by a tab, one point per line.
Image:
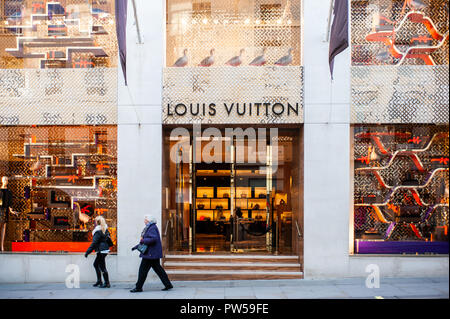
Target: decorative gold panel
58	96
240	94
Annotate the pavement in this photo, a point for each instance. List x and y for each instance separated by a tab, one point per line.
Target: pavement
389	288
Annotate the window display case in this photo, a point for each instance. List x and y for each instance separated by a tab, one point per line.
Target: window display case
57	34
61	178
400	32
401	188
244	30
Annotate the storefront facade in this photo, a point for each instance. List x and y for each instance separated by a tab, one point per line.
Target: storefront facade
272	159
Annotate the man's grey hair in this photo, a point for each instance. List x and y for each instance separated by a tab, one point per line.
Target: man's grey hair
150	218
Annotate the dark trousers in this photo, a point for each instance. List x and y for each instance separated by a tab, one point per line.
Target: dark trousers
100	266
144	268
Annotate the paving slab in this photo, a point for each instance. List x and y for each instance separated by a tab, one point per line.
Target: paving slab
361	291
235	292
240	289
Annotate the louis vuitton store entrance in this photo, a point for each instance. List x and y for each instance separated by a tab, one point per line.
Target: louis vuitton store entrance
232	190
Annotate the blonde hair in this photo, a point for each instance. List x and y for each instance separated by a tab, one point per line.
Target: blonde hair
99	220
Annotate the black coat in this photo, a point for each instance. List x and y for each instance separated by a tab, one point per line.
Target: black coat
6	198
99	242
6	203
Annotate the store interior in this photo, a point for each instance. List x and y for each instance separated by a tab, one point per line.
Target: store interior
251	207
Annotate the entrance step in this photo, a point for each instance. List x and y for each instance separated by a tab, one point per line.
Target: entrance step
231	267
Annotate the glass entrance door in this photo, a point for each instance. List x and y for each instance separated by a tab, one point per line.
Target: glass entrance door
252	231
230	194
212	194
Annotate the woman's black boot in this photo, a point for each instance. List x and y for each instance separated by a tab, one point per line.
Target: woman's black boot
106	284
99	279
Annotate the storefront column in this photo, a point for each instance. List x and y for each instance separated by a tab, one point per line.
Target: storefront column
327	150
139	134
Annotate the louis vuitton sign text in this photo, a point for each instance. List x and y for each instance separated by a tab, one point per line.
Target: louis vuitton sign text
233	109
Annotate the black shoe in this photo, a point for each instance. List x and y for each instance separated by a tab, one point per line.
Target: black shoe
167	288
136	290
98	283
106	277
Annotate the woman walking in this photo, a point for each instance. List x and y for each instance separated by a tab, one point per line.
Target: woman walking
101	241
151	255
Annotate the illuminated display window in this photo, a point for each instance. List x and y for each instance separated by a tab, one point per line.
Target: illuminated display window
60	178
400	32
57	34
233	33
401	188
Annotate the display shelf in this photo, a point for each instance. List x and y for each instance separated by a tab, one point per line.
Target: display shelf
212	215
202	191
223	191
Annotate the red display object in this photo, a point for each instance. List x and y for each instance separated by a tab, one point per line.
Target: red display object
74	247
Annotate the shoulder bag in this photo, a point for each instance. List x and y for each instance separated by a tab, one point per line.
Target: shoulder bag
142	248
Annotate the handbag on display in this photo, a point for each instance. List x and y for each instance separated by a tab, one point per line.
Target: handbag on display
142	248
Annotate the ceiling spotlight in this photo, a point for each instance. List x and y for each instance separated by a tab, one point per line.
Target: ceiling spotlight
289	21
247	21
279	21
216	21
205	21
258	21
